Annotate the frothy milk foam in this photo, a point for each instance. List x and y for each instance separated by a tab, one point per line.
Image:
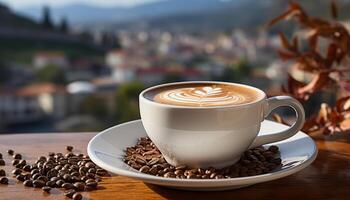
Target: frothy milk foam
202	94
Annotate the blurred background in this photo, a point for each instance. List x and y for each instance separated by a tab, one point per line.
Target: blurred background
79	65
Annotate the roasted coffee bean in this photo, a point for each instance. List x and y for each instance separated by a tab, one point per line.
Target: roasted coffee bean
2	172
2	162
16	171
90	175
92	184
84	178
69	193
101	172
70	154
273	149
67	186
75	173
89	188
93	170
28	183
20	177
22	162
46	189
83	171
89	180
59	183
34	171
144	169
89	165
77	196
54	179
36	176
27	176
27	168
15	162
67	177
4	180
191	176
79	186
10	152
169	175
43	178
41	159
69	148
17	156
51	183
38	183
276	161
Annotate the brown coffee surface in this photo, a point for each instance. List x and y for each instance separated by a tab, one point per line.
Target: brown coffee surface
203	94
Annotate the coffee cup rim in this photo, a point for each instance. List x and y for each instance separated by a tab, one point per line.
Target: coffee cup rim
262	95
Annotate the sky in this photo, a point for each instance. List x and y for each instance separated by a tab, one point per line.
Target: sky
103	3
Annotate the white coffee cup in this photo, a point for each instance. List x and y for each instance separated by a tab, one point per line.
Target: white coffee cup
212	136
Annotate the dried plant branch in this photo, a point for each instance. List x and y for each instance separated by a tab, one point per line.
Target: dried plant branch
328	67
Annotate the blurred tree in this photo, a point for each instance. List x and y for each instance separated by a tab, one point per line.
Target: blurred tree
64	25
110	40
46	20
172	77
94	106
51	73
4	73
236	72
127	107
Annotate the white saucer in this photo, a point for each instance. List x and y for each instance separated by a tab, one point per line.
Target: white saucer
107	150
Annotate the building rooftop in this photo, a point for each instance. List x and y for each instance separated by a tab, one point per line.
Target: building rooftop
39	88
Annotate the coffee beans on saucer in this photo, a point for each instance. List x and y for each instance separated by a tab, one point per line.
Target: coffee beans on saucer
146	158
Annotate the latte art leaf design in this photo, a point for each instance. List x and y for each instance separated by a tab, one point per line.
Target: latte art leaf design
200	96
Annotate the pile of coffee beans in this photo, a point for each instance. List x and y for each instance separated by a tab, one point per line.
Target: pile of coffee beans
146	158
74	173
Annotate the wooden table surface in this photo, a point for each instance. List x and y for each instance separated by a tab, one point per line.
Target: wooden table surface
327	178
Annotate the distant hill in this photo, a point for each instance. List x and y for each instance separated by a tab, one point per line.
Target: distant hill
21	37
10	19
183	15
82	14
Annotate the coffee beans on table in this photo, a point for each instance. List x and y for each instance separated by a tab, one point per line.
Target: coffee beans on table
17	156
69	148
4	180
70	171
146	158
2	172
10	152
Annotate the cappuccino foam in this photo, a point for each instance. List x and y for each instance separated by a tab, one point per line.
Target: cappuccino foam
203	94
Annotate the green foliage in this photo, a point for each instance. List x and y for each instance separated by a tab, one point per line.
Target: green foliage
23	50
52	74
172	77
236	72
127	107
95	107
110	40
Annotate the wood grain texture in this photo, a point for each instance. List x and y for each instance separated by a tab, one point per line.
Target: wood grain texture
327	178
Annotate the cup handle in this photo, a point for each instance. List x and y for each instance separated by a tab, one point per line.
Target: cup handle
275	102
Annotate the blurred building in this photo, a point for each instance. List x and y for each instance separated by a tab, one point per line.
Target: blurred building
32	103
45	58
121	72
